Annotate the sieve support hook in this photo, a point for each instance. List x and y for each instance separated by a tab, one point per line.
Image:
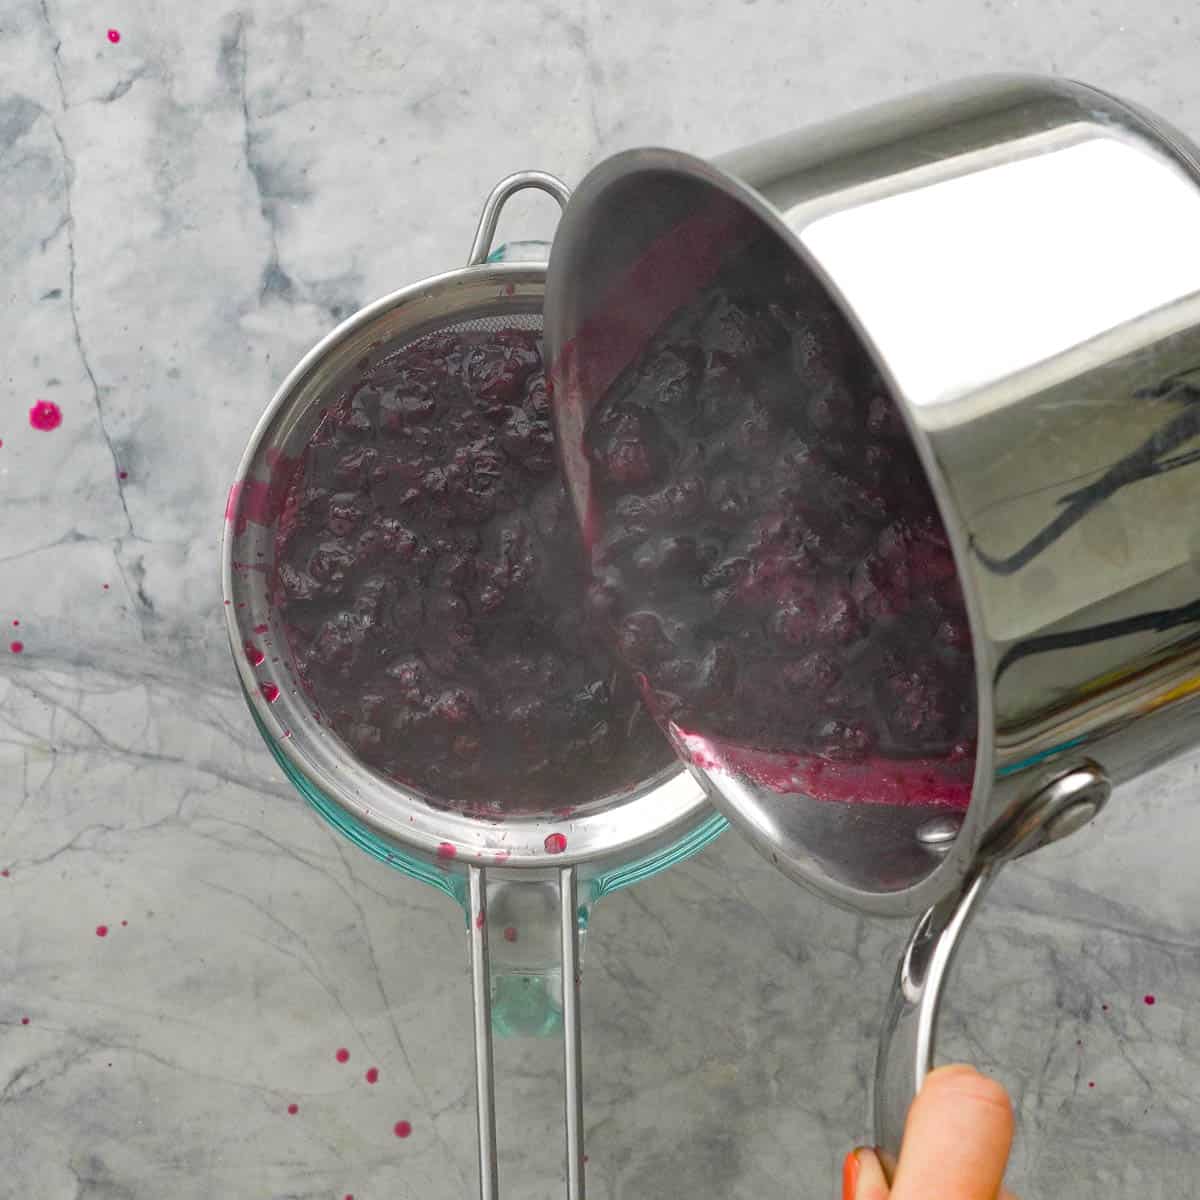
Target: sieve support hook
481	992
508	187
908	1036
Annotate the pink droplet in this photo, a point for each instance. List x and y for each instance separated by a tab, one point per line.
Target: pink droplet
372	1075
254	654
479	920
16	647
1091	1083
1150	1000
16	623
556	843
104	586
446	850
122	474
1	443
260	629
24	1020
124	924
102	931
293	1109
45	415
270	691
402	1129
343	1055
114	36
510	933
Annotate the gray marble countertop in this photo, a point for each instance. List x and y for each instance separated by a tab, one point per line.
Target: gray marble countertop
185	210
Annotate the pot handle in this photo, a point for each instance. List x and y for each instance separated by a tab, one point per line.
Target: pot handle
908	1036
508	187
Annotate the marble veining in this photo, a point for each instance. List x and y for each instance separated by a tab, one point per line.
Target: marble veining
186	208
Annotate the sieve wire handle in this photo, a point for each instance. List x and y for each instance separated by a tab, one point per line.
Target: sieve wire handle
568	896
481	992
508	187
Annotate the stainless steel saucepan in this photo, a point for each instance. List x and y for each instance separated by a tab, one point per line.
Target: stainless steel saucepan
1020	257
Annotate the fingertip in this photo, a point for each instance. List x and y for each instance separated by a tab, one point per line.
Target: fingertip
950	1071
957	1137
863	1177
965	1082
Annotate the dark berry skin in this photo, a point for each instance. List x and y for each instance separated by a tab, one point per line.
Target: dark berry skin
433	588
769	553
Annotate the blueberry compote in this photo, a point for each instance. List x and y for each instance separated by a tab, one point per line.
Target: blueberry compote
767	552
431	582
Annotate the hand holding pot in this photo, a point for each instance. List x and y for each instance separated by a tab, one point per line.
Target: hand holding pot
956	1143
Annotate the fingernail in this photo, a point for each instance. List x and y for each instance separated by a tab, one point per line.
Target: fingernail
850	1169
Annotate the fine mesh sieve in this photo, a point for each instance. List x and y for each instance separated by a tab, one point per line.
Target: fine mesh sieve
547	866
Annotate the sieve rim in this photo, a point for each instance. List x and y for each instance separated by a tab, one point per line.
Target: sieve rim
622	828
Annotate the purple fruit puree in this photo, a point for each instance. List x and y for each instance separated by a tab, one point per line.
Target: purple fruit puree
767	553
431	582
